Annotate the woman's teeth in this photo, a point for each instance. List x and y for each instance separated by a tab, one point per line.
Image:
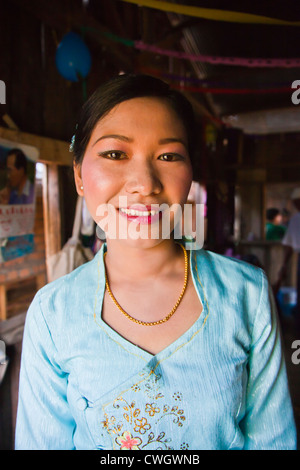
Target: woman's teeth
134	212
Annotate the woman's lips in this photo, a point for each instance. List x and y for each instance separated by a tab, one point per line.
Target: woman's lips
141	214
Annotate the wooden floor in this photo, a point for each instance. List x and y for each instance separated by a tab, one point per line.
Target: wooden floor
11	332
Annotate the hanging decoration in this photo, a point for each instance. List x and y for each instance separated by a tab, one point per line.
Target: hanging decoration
215	60
212	13
211	59
73	58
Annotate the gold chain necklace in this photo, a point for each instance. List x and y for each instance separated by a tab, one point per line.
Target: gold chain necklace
140	322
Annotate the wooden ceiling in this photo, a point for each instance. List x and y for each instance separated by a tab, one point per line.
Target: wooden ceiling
43	102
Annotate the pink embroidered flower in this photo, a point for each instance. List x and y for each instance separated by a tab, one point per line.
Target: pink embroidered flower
127	442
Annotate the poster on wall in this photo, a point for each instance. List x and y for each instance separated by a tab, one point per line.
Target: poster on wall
17	199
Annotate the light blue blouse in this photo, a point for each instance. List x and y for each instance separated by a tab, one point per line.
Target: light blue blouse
221	385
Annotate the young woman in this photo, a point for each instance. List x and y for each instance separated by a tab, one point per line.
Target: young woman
149	346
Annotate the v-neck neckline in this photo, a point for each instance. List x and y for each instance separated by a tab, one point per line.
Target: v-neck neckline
134	349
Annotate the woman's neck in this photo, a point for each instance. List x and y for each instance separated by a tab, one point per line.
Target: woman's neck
139	263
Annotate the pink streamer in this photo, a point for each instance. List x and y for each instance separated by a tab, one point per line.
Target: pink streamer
237	61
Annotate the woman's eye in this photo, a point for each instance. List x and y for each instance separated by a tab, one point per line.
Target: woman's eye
170	157
113	155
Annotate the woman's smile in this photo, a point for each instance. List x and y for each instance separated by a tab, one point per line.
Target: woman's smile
141	214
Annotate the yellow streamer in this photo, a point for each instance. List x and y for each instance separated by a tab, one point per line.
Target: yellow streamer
212	14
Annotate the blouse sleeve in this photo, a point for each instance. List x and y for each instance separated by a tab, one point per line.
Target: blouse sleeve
268	422
44	421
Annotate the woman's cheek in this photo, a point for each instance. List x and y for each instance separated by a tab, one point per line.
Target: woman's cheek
96	182
182	184
95	189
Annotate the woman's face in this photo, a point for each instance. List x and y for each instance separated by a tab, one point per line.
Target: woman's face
137	157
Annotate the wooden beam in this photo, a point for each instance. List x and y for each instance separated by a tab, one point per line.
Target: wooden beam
51	150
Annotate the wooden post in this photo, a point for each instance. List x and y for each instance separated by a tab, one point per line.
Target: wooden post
3	302
51	209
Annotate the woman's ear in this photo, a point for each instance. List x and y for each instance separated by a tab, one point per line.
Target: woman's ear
78	179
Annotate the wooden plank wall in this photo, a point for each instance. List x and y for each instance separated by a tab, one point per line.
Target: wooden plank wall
11	330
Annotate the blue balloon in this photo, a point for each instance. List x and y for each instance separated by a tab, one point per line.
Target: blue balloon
73	58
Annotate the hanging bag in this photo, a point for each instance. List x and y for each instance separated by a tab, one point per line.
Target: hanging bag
73	253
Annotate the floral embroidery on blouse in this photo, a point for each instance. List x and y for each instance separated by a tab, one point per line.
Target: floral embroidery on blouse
127	442
137	424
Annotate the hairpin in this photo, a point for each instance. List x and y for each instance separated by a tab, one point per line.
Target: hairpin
71	146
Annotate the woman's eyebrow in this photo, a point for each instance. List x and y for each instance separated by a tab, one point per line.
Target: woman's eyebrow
170	140
124	138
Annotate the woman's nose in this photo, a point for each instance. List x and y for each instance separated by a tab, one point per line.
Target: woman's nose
144	180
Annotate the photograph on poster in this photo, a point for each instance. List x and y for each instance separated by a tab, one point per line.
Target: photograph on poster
17	199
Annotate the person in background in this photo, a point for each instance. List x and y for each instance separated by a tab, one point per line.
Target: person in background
291	241
274	228
22	190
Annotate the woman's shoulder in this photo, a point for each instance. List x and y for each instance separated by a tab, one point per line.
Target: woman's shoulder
225	264
78	278
65	298
242	288
62	307
235	278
